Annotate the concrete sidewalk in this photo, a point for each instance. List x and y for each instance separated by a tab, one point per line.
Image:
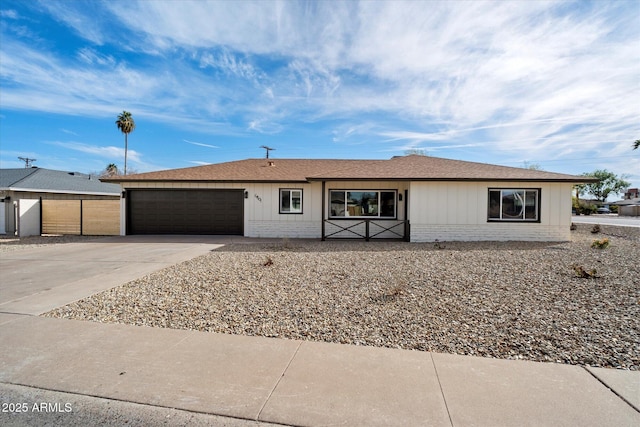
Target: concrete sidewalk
305	383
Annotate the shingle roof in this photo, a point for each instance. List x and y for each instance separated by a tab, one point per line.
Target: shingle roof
53	181
410	168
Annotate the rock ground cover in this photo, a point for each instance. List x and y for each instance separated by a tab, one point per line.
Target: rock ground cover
512	300
10	243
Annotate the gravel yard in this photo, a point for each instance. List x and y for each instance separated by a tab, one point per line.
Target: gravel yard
13	243
503	300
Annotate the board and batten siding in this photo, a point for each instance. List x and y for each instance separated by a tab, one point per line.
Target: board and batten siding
457	211
262	217
444	211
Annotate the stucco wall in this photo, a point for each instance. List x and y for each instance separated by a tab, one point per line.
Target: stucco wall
448	211
28	217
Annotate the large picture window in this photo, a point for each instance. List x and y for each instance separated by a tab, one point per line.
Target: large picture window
514	204
363	203
290	200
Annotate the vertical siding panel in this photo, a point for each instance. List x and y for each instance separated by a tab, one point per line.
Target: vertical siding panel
477	195
417	203
426	193
552	204
565	204
270	198
440	205
430	197
459	203
547	200
469	203
249	211
313	201
261	202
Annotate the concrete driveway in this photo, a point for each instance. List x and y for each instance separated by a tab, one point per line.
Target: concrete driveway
34	281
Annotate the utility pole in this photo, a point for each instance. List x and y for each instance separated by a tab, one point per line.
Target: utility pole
27	161
268	149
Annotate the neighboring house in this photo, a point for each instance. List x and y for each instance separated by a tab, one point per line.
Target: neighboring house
25	192
630	205
417	198
632	193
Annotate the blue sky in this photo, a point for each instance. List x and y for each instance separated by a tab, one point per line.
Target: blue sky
550	83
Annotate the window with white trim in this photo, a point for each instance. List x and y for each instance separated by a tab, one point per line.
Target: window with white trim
514	204
290	200
362	203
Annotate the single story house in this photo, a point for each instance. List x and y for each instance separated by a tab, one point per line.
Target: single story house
23	190
416	198
630	204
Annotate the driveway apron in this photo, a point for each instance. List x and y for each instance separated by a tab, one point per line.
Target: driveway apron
34	281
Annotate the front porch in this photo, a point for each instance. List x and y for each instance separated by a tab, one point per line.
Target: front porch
365	228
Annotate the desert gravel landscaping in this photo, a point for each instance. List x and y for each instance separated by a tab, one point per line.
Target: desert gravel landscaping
10	243
509	300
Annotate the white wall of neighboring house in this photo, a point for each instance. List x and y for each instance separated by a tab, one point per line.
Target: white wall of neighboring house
28	217
3	218
123	216
448	211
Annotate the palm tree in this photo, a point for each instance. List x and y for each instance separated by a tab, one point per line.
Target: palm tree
111	170
126	125
636	144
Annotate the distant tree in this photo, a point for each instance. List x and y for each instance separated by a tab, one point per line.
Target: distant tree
636	144
608	182
126	125
415	152
532	166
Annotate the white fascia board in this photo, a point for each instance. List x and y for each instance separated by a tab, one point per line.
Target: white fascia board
36	190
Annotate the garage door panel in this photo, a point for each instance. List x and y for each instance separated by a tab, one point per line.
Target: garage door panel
185	211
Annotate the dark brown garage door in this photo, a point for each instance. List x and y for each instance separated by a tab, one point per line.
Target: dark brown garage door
185	211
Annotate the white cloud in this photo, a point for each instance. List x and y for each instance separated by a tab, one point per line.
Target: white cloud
229	64
200	144
541	78
91	56
9	14
108	152
265	126
84	22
